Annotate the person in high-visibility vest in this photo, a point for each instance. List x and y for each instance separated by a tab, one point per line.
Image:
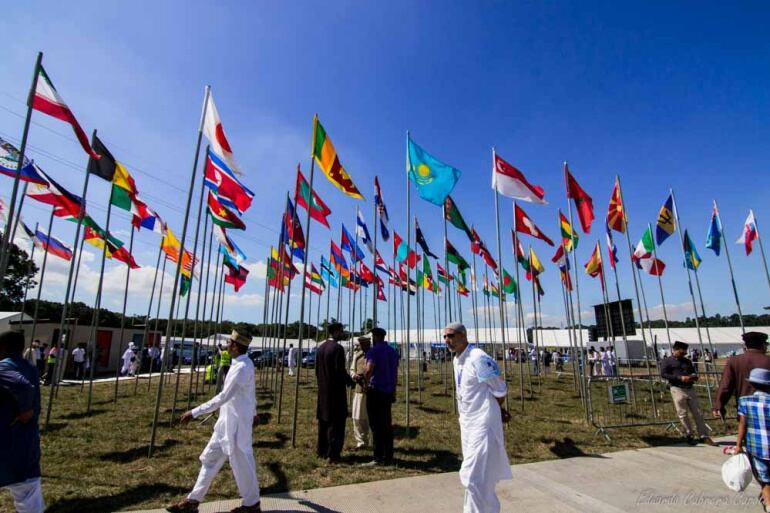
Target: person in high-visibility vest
224	366
211	375
51	364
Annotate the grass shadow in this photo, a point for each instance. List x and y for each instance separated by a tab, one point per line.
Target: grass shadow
282	481
278	443
114	502
402	432
81	414
655	440
439	461
136	453
567	448
52	427
428	409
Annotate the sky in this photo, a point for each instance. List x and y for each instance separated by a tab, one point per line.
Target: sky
665	96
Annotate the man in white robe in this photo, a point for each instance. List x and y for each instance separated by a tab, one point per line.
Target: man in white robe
292	359
232	437
480	403
126	358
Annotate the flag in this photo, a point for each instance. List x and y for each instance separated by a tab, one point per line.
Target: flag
326	157
227	245
523	224
9	162
691	257
382	210
48	101
479	248
236	276
425	277
535	267
309	200
421	240
227	259
749	233
540	291
222	181
222	216
561	260
462	289
363	232
51	244
282	257
27	232
612	249
443	275
666	222
644	255
274	274
365	273
403	253
616	214
347	242
510	182
454	256
433	179
152	221
452	214
311	284
568	235
185	283
379	263
714	237
212	129
328	273
509	285
97	237
315	276
583	202
291	231
594	265
519	252
338	259
380	292
64	203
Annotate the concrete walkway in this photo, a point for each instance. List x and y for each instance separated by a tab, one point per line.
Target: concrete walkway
661	479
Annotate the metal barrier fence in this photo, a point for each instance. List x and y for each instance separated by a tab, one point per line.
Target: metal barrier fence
637	396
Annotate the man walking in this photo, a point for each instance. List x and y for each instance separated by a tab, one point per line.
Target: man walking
357	372
332	403
232	438
19	434
381	375
79	361
681	376
735	376
480	398
292	359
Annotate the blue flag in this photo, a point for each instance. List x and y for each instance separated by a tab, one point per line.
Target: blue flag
327	272
433	179
666	222
714	237
691	257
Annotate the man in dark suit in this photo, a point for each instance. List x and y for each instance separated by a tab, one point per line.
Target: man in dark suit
332	403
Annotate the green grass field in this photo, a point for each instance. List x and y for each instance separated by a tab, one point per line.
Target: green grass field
99	462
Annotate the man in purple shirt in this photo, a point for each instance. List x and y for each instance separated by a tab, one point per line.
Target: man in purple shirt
381	374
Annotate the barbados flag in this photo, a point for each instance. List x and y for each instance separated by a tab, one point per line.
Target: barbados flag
666	223
433	179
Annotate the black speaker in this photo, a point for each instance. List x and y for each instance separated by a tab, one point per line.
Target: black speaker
621	314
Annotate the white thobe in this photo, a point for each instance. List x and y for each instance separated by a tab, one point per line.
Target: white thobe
127	361
27	496
606	364
481	429
237	405
292	357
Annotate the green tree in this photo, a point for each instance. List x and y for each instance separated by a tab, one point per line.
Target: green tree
19	275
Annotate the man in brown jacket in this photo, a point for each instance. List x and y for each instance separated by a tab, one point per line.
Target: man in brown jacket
736	373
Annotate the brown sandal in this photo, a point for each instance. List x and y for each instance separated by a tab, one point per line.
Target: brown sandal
183	506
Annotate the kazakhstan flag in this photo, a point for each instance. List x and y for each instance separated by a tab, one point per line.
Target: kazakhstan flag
433	179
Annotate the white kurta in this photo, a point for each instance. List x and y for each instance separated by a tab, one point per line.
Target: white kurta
292	357
232	437
481	429
126	361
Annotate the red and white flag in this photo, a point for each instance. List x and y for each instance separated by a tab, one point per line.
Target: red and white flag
523	224
749	233
48	101
212	129
510	182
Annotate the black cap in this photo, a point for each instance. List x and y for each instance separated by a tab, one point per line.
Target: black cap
335	326
680	345
754	339
379	332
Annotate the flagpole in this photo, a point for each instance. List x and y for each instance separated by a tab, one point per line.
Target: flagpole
501	301
123	316
730	268
474	298
761	250
620	308
577	287
374	270
302	295
660	286
157	320
535	334
28	279
179	265
408	283
42	277
57	340
198	321
6	239
145	335
290	254
569	331
521	329
689	283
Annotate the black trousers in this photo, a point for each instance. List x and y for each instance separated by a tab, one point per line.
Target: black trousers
79	367
331	437
378	407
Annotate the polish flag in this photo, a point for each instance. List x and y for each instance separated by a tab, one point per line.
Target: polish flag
212	129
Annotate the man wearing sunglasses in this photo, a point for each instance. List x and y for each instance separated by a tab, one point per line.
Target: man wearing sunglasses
480	398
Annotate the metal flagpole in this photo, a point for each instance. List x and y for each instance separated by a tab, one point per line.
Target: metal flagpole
374	270
207	248
689	284
57	341
279	365
408	283
6	239
149	311
123	315
302	296
660	286
42	277
28	280
98	305
500	300
535	334
157	319
577	288
179	266
730	268
761	250
474	298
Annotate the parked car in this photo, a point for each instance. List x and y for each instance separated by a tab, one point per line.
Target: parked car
267	359
309	359
286	357
254	355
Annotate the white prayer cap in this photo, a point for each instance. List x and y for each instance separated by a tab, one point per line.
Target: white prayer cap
457	327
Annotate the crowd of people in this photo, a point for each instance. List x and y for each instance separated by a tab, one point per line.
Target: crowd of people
372	372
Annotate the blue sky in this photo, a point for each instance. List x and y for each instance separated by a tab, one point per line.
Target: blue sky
665	96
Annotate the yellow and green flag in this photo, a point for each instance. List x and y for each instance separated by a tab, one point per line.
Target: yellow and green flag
328	160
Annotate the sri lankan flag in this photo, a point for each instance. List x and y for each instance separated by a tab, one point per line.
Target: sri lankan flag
568	235
328	160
